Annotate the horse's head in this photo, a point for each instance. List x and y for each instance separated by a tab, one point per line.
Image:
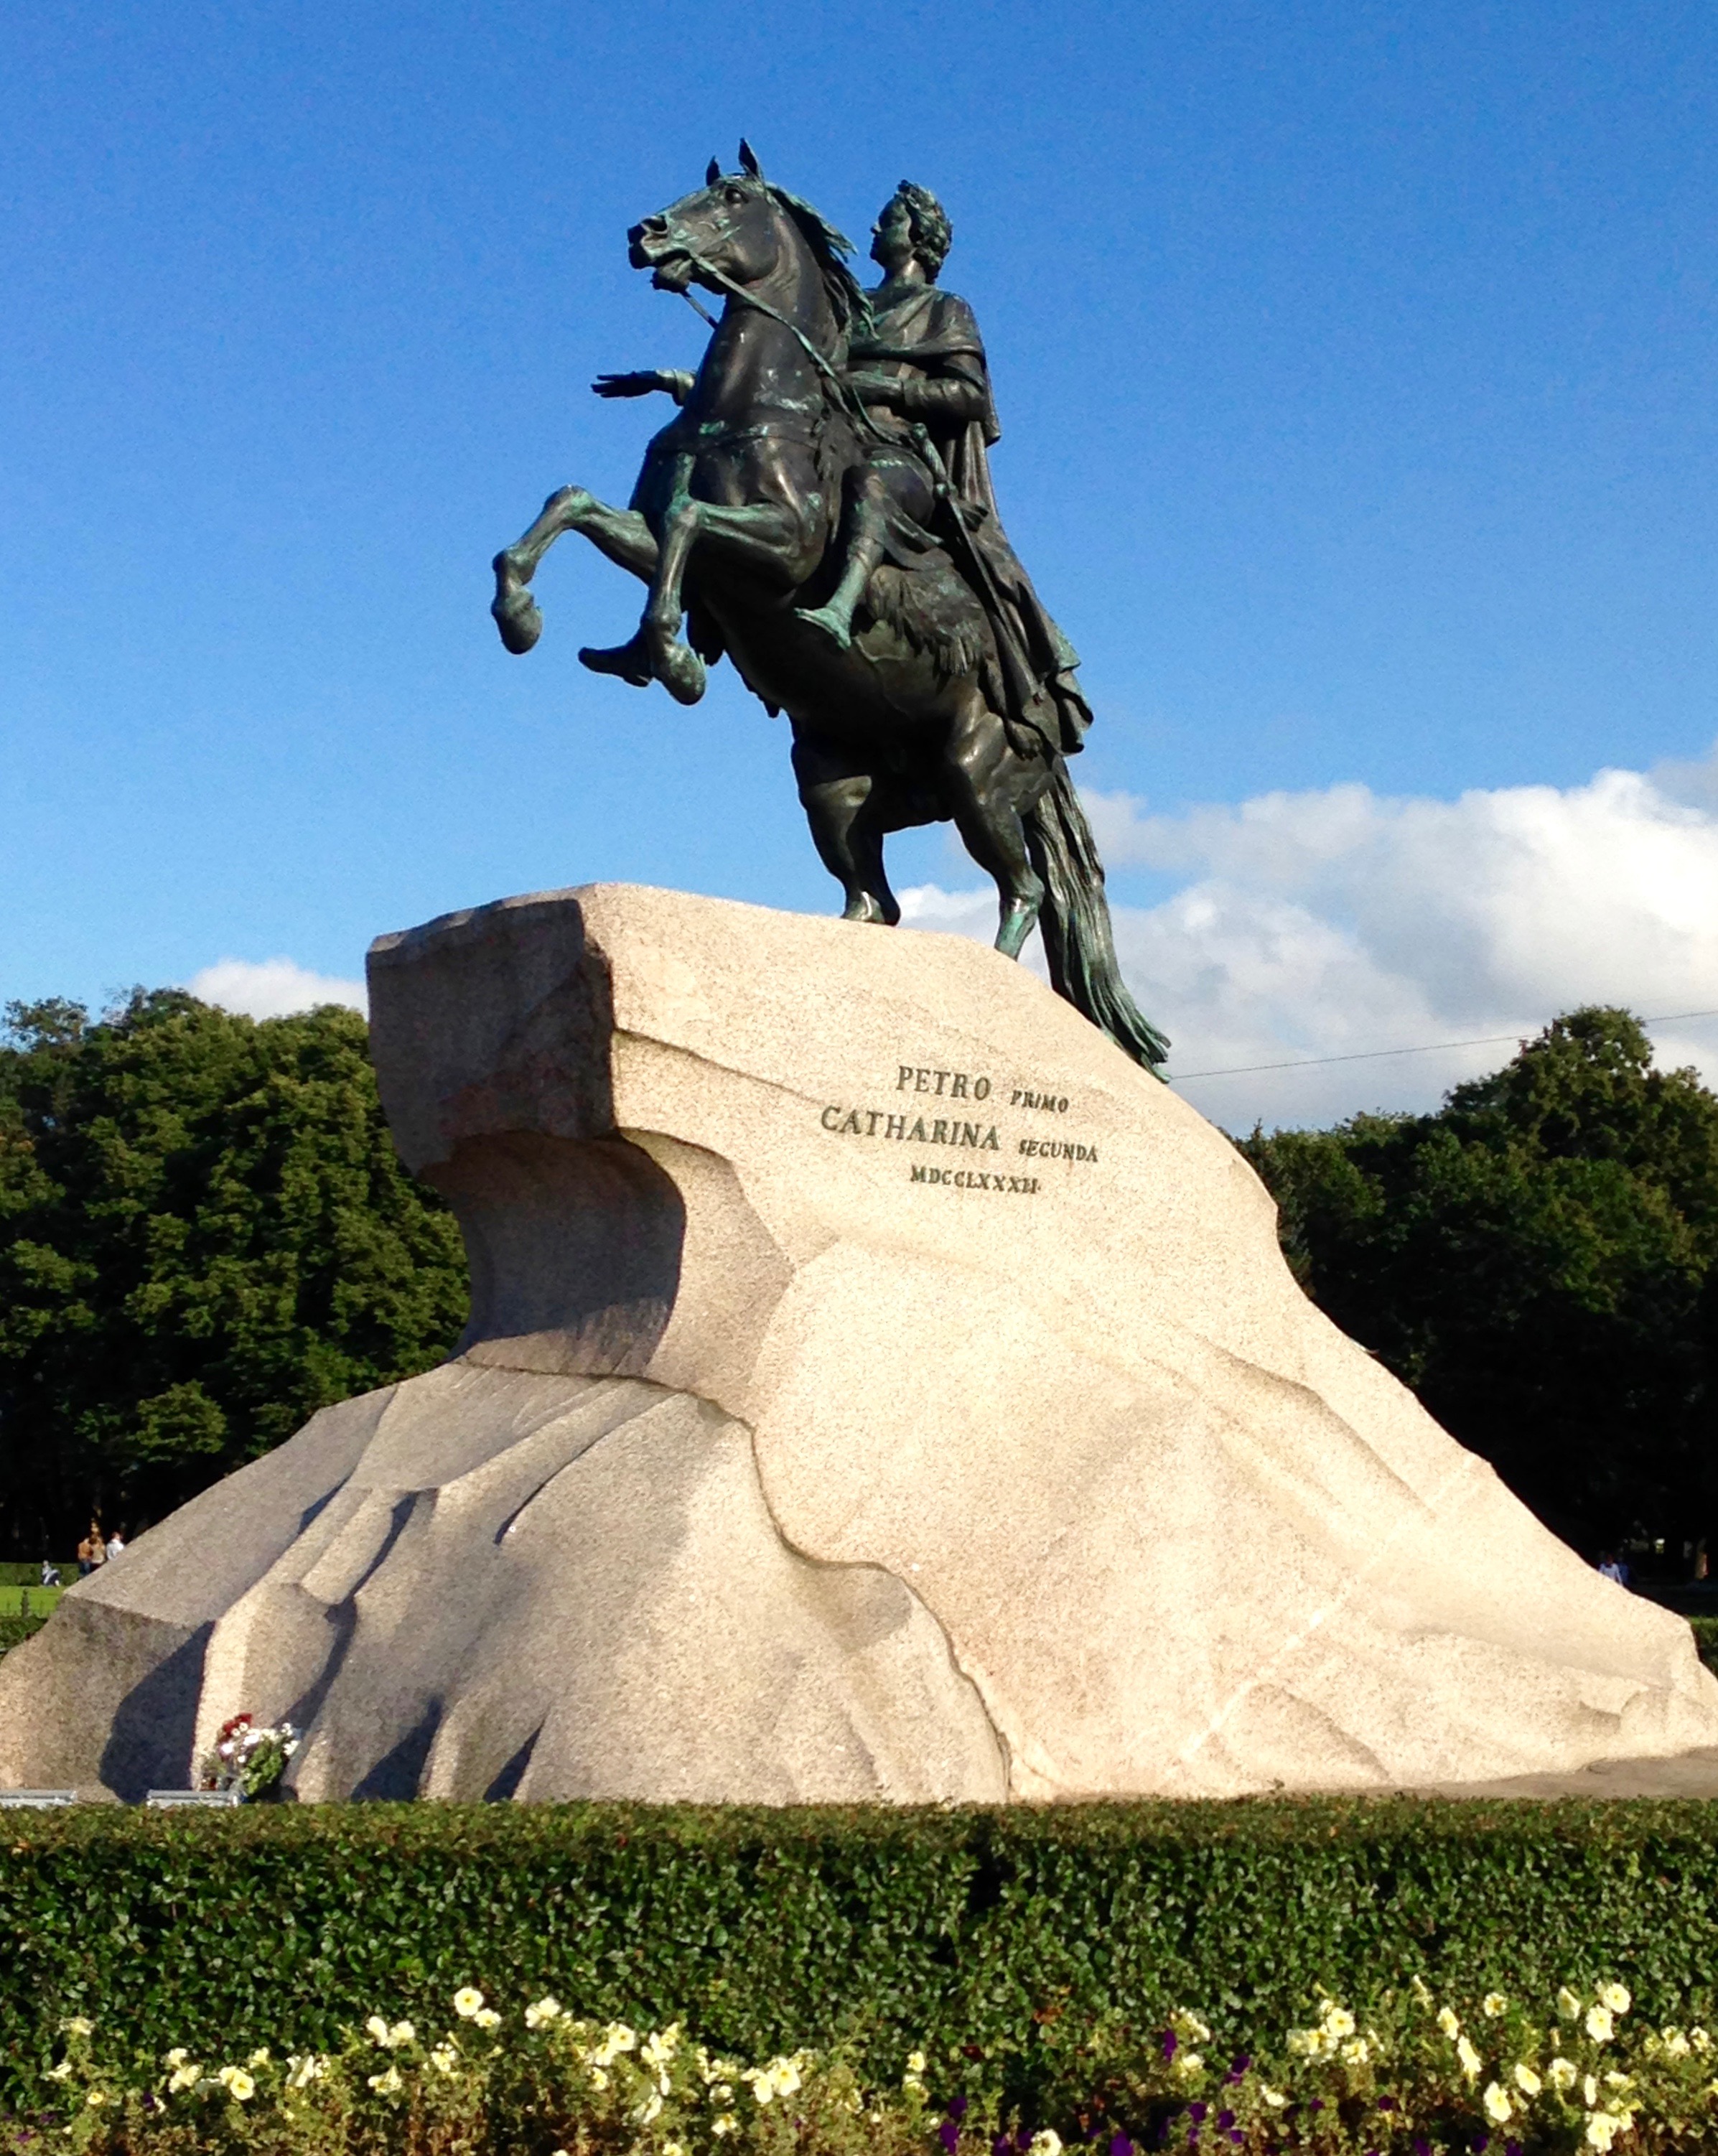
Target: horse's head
740	229
732	226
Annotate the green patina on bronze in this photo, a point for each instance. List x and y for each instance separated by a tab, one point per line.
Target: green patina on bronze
820	511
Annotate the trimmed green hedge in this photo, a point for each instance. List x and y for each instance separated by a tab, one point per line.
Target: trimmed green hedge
995	1940
1705	1638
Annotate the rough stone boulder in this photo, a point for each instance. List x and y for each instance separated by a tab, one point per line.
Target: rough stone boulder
876	1386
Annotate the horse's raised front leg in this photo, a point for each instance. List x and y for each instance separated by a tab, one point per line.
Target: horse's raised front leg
621	534
763	536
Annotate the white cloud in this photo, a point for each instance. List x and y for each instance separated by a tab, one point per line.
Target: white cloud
1329	923
272	987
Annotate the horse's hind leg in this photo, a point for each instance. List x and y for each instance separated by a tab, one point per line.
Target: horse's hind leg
981	777
621	534
843	808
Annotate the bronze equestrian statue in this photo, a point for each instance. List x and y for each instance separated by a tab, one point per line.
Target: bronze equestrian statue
820	510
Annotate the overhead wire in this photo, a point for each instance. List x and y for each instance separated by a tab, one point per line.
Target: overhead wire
1371	1054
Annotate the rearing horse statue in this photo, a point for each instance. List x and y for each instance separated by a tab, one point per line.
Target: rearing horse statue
732	526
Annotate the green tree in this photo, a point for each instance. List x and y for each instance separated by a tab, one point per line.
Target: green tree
1536	1260
205	1235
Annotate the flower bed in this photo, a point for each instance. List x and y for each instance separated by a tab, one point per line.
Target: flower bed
1411	2074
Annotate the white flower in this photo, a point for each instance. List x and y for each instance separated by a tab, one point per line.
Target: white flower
1190	2026
260	2058
79	2025
62	2072
1446	2021
599	2079
1276	2099
444	2058
658	2049
784	2073
1700	2040
1498	2107
1189	2062
387	2084
1492	2005
723	2124
1615	2081
183	2077
1338	2021
652	2111
1601	2129
1421	1990
95	2098
1568	2006
485	2018
1616	1997
544	2010
1529	2082
402	2032
175	2057
468	2001
377	2028
1046	2143
1589	2090
1599	2025
237	2083
916	2062
1468	2057
1355	2052
303	2068
674	2149
1676	2044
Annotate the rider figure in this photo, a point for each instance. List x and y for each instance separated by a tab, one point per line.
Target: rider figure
921	370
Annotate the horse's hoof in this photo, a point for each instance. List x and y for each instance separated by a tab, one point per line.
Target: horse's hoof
839	630
630	661
1020	918
866	908
681	673
518	619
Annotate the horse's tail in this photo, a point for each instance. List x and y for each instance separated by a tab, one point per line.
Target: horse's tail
1075	924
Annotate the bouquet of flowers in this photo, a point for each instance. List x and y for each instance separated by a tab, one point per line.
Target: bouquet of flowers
248	1757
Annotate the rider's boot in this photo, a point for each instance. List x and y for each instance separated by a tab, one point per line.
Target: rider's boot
835	617
654	654
630	661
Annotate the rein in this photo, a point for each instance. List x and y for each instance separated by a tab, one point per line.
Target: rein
842	393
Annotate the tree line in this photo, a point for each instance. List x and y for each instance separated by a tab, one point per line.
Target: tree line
1536	1260
206	1235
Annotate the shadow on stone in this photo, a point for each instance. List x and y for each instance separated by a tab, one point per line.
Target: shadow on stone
149	1745
397	1775
506	1782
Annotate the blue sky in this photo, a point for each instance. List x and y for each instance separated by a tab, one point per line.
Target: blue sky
1356	364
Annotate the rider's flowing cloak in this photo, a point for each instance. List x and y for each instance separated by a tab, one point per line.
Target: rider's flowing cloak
930	341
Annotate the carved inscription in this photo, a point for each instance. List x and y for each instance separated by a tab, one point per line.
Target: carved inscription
862	1124
962	1178
914	1078
909	1126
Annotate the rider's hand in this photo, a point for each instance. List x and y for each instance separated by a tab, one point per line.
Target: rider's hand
639	384
874	388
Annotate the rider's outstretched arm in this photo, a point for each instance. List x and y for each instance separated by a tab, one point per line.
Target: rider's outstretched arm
675	381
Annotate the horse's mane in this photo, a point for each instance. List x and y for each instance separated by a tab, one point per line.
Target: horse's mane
829	248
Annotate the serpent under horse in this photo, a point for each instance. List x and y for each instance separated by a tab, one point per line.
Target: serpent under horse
732	524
